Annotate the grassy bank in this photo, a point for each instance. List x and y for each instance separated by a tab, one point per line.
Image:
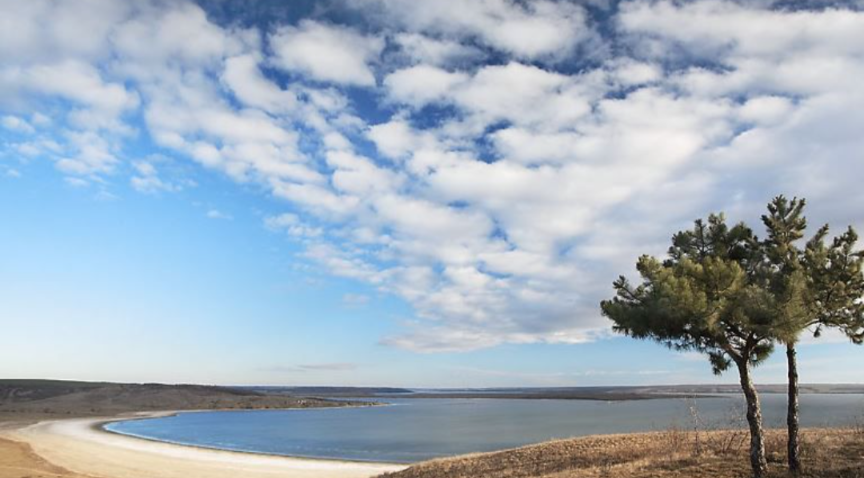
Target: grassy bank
827	453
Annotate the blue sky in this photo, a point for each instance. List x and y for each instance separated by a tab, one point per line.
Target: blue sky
395	192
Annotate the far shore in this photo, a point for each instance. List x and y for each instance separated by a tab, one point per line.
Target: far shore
81	446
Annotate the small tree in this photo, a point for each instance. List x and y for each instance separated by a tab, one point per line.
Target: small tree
822	286
711	295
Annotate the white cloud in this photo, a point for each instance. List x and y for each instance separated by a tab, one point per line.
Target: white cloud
244	78
327	52
89	154
516	93
422	49
82	83
293	225
98	103
360	176
76	30
217	214
728	29
178	33
147	180
318	199
13	123
421	84
498	198
631	73
526	30
76	182
396	138
526	146
766	110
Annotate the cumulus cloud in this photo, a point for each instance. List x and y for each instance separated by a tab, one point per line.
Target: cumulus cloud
244	78
486	172
293	225
147	179
16	124
327	52
529	30
421	84
423	49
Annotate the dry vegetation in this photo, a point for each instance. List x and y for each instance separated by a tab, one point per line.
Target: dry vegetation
702	448
834	453
35	399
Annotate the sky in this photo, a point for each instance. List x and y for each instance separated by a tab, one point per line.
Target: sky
419	193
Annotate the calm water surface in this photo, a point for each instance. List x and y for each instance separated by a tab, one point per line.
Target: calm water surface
410	430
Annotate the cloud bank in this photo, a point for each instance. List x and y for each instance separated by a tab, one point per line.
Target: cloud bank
495	163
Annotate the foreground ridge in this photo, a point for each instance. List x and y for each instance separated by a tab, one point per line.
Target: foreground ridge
834	453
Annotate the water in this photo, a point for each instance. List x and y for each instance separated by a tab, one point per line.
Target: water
410	430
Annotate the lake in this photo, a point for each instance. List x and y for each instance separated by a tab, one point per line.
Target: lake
410	430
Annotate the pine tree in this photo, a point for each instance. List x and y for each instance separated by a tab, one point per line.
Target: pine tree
785	224
712	295
821	286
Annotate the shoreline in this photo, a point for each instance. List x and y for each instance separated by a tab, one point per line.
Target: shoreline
99	426
83	446
80	448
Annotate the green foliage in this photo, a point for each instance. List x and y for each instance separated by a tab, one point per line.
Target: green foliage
711	295
819	286
724	292
835	283
787	277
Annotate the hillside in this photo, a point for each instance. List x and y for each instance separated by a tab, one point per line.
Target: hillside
28	399
717	454
330	391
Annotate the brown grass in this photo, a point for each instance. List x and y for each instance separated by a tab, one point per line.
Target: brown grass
679	453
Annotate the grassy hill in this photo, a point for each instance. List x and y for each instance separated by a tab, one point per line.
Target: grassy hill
672	454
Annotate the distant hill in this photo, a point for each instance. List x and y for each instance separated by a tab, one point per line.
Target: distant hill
47	398
763	388
329	391
51	398
621	393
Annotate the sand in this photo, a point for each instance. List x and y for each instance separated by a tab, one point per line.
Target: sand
79	447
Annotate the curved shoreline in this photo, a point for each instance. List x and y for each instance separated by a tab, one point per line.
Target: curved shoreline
100	427
83	446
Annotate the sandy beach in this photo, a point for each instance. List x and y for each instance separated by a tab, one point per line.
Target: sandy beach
79	447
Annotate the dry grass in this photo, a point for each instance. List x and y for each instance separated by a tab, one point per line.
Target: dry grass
834	453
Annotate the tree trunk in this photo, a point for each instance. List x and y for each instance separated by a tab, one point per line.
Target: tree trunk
793	447
754	419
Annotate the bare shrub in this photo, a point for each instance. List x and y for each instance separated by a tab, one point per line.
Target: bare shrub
697	425
775	446
858	426
605	469
674	440
736	435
